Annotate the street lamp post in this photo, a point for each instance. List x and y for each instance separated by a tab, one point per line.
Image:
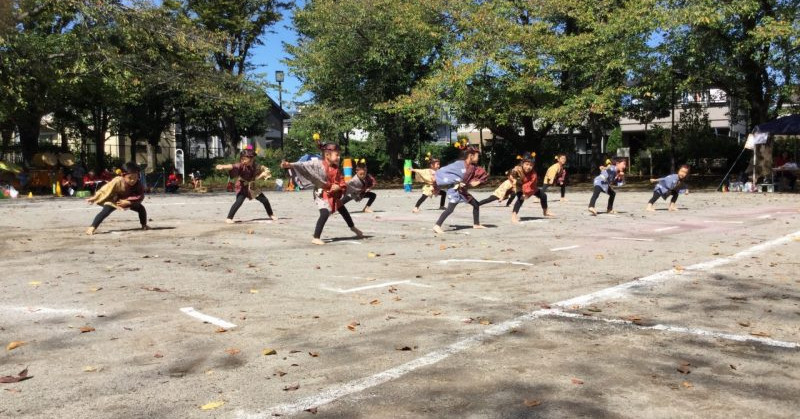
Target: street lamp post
279	78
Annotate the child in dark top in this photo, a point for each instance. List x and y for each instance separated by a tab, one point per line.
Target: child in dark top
360	186
248	172
123	192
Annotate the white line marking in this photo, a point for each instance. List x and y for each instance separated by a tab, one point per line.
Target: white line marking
723	222
556	249
666	228
680	329
533	221
632	238
356	386
206	318
764	217
503	262
381	285
45	310
342	241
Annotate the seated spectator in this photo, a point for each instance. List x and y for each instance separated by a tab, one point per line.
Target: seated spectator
197	179
173	182
68	185
91	182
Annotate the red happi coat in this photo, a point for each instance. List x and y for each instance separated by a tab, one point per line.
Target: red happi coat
529	183
334	177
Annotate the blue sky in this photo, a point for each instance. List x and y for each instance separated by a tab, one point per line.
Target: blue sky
268	58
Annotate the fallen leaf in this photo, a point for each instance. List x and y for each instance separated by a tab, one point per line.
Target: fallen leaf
744	324
733	367
158	355
684	368
760	334
269	351
212	405
253	291
375	302
294	351
679	268
599	257
312	410
22	376
35	283
442	247
352	326
292	387
280	373
392	290
233	351
13	390
403	348
577	381
96	289
14	345
314	354
437	313
156	289
687	384
594	309
86	329
251	231
468	320
371	255
221	330
531	403
485	322
545	306
89	369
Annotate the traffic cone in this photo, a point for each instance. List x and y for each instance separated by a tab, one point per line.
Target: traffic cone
58	189
30	194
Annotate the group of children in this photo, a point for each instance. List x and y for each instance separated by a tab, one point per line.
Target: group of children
452	183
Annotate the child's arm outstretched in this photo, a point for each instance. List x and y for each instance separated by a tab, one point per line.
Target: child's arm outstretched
224	167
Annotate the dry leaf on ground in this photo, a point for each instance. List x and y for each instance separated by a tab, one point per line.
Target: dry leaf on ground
269	351
14	345
233	351
577	381
531	403
292	387
22	376
86	329
212	405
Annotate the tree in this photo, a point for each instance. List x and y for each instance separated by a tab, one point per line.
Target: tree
357	57
239	26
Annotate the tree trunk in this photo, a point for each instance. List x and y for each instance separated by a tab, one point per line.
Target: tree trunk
99	134
394	144
29	127
230	136
6	133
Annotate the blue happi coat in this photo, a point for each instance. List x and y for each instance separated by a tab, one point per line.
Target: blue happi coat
456	177
666	185
608	175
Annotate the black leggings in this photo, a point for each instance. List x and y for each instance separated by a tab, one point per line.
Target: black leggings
240	200
596	193
107	210
324	213
512	197
442	195
491	199
563	188
539	194
657	195
476	212
370	195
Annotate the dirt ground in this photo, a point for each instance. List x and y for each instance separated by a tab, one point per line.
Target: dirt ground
694	313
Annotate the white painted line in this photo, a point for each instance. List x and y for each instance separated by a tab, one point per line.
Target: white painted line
356	386
764	217
632	238
373	286
723	222
557	249
206	318
45	311
502	262
666	228
680	329
342	241
542	220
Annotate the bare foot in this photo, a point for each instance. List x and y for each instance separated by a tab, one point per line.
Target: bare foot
358	232
272	217
90	231
367	209
650	207
563	199
438	230
415	210
229	221
146	227
478	226
547	213
611	211
673	208
318	242
514	218
593	211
